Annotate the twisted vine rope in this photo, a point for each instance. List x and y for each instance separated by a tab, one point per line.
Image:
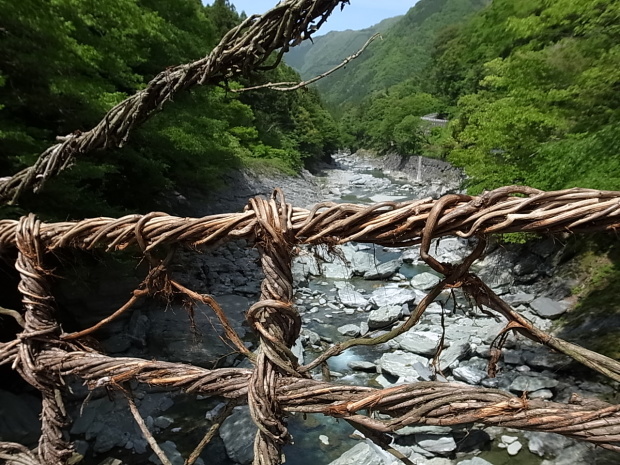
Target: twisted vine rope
277	384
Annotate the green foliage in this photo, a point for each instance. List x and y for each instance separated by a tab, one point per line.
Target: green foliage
403	52
391	121
534	88
66	62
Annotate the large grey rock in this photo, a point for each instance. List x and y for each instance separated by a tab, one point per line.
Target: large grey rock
392	295
419	342
361	453
349	330
403	364
439	445
524	383
349	297
362	262
469	375
303	267
547	308
457	351
384	316
360	365
238	432
337	270
383	270
424	281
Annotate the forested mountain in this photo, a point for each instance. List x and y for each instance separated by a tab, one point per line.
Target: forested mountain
63	64
532	89
403	53
311	58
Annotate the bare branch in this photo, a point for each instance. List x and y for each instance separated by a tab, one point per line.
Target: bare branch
289	86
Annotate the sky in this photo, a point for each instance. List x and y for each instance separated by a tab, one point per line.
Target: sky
359	14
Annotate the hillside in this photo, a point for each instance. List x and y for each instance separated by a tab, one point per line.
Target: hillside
310	59
404	52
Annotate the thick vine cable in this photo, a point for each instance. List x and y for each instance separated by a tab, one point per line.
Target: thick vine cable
277	384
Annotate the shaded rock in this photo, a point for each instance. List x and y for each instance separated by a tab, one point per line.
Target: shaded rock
171	338
238	433
171	451
512	357
384	316
111	461
419	342
163	422
475	461
303	267
19	418
383	270
349	330
547	308
544	358
524	383
424	281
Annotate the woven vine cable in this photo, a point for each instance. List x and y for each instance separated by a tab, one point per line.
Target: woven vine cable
41	330
277	385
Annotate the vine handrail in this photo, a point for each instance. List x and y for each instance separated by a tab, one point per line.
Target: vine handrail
277	385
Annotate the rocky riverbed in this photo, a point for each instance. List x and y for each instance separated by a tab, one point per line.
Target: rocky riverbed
362	289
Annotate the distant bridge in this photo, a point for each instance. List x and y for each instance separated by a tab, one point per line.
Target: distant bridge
433	120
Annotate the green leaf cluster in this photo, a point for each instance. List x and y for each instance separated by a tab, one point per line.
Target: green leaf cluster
534	89
64	63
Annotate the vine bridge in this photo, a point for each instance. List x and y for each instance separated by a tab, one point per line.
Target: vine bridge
47	357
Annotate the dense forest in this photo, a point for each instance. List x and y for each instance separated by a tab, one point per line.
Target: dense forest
531	88
64	63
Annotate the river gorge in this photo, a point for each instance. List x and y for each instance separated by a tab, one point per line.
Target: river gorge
357	290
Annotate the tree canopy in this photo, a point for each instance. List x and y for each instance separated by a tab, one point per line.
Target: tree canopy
64	63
